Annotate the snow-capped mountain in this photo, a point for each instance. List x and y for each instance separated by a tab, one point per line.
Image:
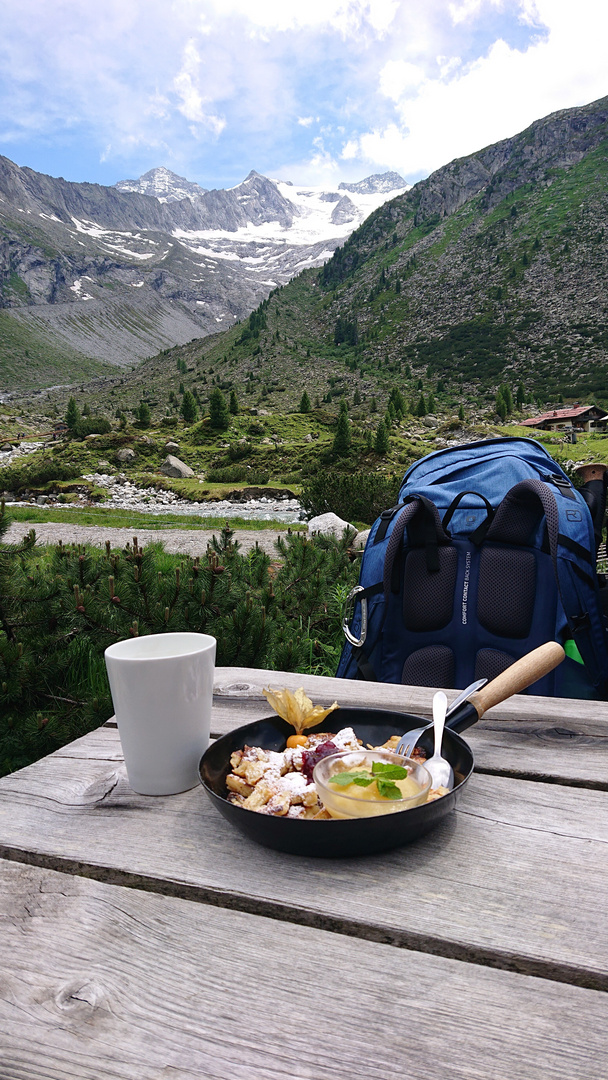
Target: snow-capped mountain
118	273
162	184
380	183
277	228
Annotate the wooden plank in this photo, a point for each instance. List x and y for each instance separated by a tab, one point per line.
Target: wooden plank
539	738
106	983
514	877
247	683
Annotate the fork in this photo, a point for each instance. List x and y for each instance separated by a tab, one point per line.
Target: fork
409	740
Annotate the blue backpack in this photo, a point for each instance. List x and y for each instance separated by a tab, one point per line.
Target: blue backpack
489	552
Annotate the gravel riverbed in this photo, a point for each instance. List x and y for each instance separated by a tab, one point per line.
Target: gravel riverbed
181	541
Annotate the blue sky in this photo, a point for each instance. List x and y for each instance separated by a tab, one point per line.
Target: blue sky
314	91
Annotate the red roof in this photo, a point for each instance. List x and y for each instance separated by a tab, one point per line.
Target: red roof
562	414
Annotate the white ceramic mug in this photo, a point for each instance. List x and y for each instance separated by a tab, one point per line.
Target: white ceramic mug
162	689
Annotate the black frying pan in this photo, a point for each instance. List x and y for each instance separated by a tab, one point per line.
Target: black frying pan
364	836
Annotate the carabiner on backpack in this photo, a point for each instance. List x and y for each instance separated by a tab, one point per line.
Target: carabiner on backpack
351	599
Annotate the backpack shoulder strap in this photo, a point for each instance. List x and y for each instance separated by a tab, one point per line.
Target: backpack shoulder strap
422	520
516	522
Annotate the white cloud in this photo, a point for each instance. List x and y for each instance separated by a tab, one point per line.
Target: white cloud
398	77
469	106
305	121
186	86
347	16
467	9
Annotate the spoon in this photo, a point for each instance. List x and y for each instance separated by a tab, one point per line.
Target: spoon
409	741
442	774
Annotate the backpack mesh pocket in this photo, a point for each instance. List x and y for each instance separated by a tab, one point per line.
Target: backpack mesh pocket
428	598
489	663
507	591
431	666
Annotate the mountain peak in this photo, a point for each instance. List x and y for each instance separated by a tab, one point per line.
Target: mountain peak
162	184
379	183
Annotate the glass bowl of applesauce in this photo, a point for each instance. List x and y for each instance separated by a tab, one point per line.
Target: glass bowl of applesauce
366	783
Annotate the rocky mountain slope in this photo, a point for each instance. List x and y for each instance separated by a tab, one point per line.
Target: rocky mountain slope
112	275
494	269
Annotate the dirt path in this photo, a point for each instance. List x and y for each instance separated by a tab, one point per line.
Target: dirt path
175	541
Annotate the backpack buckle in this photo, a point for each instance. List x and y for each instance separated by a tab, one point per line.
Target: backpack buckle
350	601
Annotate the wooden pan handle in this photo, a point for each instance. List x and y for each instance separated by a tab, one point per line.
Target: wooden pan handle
518	676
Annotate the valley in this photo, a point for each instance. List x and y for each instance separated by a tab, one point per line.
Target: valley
109	276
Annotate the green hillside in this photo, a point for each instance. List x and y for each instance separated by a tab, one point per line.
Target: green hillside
29	360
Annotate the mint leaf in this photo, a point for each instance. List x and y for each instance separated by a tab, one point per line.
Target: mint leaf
388	771
344	778
388	790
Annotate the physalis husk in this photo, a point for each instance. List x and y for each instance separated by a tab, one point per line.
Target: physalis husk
297	708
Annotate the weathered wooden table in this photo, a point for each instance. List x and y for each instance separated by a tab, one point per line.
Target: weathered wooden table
146	938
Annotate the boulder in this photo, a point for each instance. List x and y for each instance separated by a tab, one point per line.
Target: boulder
430	421
172	466
171	446
125	454
308	438
360	540
146	440
6	447
330	525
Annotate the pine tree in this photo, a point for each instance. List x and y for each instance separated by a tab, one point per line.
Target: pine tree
357	397
234	405
461	412
72	415
304	406
219	417
521	396
501	407
507	397
398	402
342	438
431	404
381	443
188	409
421	409
143	414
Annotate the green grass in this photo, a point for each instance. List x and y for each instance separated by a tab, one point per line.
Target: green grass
121	519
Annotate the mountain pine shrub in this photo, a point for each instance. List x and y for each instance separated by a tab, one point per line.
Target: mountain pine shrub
359	496
60	608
